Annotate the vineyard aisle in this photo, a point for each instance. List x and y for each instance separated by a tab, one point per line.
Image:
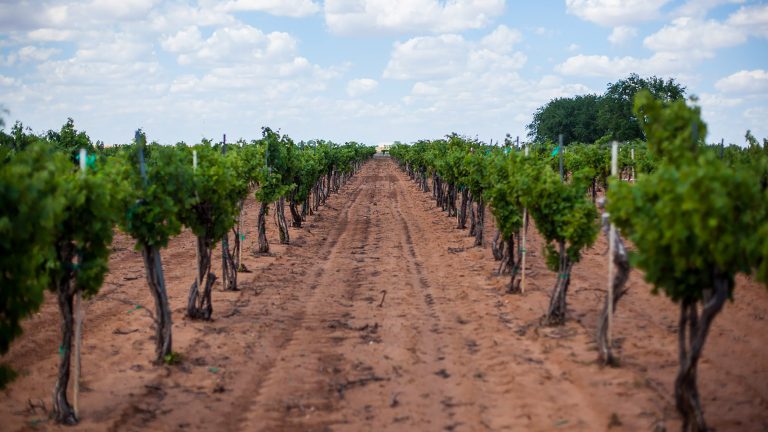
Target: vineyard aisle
381	316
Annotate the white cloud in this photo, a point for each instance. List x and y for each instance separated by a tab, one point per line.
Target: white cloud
427	57
115	10
612	13
50	35
365	16
700	8
752	82
712	101
678	48
439	57
185	40
33	53
503	39
751	19
622	34
612	67
112	48
291	8
358	87
6	81
177	16
690	36
230	45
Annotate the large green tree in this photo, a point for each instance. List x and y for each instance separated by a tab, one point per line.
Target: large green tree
587	118
574	117
615	116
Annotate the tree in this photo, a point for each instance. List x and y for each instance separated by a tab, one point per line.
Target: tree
693	221
574	117
615	115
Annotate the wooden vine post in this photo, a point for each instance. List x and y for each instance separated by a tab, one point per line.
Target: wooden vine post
562	180
611	246
523	252
197	249
225	239
78	319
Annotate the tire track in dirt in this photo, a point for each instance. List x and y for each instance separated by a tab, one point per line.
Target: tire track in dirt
289	387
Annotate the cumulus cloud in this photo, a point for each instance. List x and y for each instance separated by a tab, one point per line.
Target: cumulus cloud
751	19
185	40
6	81
358	87
612	67
460	84
290	8
230	45
745	82
612	13
692	36
50	35
442	56
363	16
33	53
503	39
622	34
677	48
427	57
700	8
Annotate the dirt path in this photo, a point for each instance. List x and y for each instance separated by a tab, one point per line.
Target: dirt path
381	316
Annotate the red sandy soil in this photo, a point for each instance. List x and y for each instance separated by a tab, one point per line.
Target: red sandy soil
311	343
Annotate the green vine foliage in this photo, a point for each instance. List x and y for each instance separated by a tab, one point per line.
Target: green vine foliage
31	209
476	173
306	168
694	213
507	187
562	212
215	194
150	210
271	174
89	217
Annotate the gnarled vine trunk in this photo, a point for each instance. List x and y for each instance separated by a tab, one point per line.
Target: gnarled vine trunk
296	216
282	225
461	218
479	222
497	248
261	225
65	294
556	312
199	305
451	204
230	257
514	263
472	216
618	285
156	281
692	333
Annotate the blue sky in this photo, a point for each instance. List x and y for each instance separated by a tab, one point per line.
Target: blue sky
372	71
